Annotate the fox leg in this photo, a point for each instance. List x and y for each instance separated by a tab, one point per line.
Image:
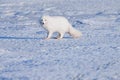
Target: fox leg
49	35
60	36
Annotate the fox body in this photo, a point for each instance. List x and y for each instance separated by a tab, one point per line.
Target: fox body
59	24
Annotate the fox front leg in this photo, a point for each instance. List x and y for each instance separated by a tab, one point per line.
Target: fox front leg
49	35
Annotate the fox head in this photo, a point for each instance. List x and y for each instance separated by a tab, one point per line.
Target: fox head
44	19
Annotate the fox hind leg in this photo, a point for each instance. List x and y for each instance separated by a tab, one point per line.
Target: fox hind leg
60	36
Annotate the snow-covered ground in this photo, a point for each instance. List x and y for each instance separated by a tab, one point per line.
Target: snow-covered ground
25	55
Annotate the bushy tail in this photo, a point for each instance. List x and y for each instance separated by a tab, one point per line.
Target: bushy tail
74	32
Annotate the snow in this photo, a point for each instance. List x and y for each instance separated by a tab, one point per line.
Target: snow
25	55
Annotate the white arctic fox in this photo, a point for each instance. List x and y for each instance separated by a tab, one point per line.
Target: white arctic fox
59	24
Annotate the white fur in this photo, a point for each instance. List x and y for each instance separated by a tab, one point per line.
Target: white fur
59	24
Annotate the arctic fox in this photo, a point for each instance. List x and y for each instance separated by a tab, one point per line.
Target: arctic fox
59	24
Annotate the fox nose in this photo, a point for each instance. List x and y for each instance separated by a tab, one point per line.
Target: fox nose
41	22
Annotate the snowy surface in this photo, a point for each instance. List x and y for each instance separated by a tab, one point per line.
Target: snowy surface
25	55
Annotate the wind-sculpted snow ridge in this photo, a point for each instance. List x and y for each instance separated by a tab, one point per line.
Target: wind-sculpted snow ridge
25	55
